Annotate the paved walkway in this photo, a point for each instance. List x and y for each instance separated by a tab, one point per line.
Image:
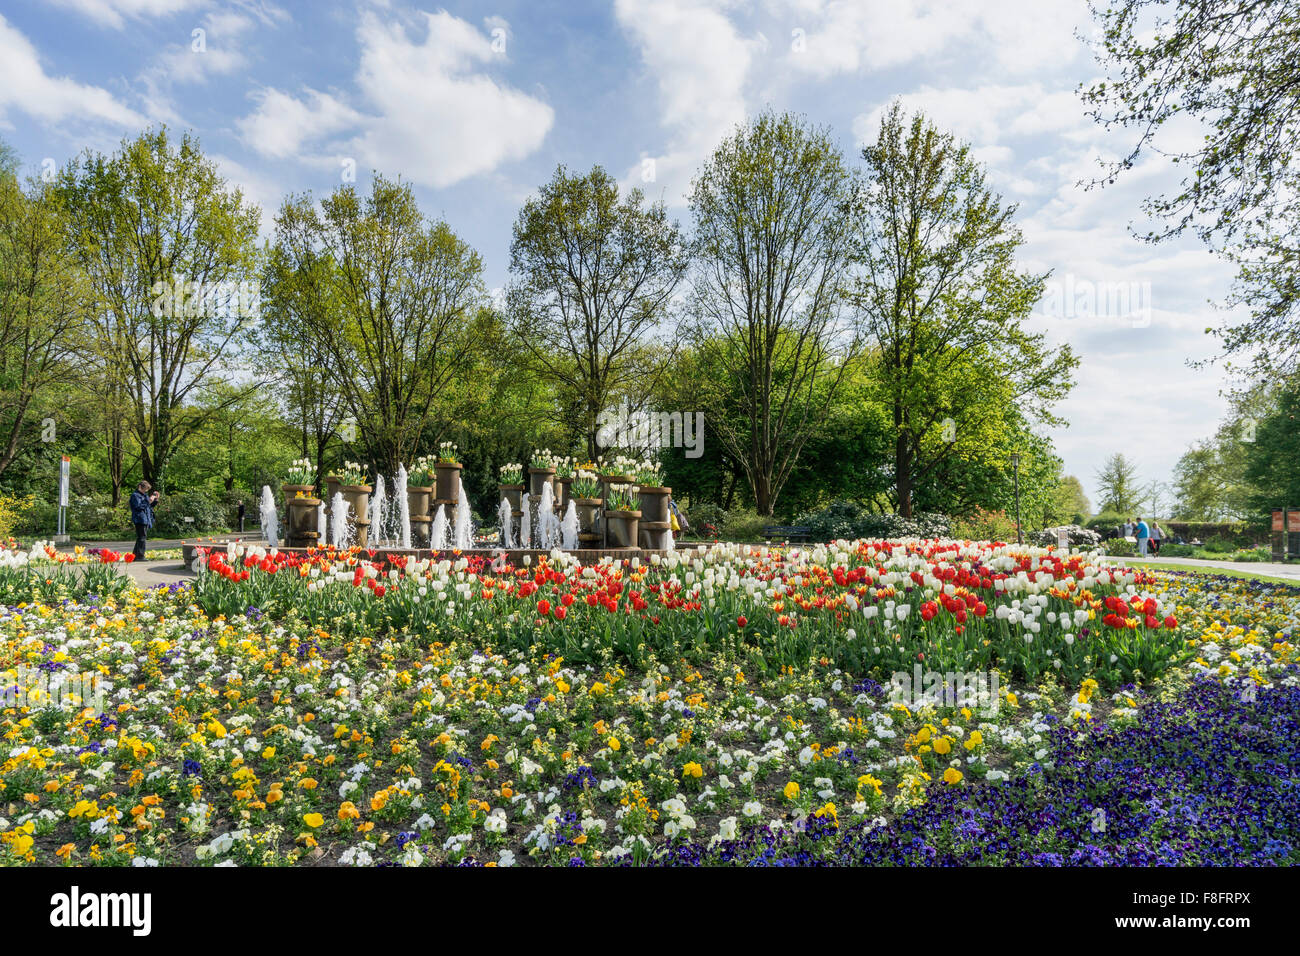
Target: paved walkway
1266	568
151	573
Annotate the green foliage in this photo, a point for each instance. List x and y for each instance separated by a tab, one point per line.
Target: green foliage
165	243
1121	490
209	514
744	525
941	302
772	239
1229	69
982	525
593	275
1271	460
848	519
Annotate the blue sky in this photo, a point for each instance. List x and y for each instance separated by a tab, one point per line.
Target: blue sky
476	103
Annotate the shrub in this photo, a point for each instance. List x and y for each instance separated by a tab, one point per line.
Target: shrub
744	525
1178	551
1220	545
847	519
13	510
1079	537
706	519
1121	548
984	525
172	510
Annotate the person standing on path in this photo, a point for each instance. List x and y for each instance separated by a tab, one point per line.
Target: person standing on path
1143	536
1156	537
142	503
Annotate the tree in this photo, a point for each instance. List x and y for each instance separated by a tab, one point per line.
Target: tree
593	282
941	303
394	300
1233	66
170	251
1069	504
1119	486
293	357
43	303
1271	458
772	221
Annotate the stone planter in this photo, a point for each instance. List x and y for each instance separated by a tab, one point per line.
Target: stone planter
621	528
417	501
588	514
562	486
654	535
302	512
512	494
448	481
654	503
358	499
538	478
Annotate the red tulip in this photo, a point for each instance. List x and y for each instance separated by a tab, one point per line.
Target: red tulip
741	622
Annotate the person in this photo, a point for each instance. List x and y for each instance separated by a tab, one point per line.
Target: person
1143	536
142	502
240	513
1156	537
679	523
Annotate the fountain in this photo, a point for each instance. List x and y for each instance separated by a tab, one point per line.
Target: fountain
438	536
464	538
339	520
403	508
505	515
526	525
320	524
270	530
548	524
377	503
569	528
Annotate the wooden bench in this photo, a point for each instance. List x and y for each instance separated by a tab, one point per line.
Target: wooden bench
798	533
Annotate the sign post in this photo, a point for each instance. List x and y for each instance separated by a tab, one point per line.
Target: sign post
65	466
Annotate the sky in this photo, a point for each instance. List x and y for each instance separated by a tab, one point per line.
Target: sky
475	104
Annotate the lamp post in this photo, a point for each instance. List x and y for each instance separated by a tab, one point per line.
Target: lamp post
1015	471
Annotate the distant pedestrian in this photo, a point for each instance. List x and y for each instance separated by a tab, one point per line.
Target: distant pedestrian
1129	528
142	502
1143	536
678	520
1156	536
240	513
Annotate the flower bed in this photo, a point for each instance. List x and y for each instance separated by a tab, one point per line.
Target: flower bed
868	607
351	731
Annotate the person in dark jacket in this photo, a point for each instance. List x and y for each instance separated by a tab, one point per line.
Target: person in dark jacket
240	513
142	502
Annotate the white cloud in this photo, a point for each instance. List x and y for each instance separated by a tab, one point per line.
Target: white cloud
700	63
219	53
989	114
115	13
431	113
282	123
850	36
25	86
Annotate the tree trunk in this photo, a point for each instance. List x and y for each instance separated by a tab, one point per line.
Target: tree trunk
903	464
